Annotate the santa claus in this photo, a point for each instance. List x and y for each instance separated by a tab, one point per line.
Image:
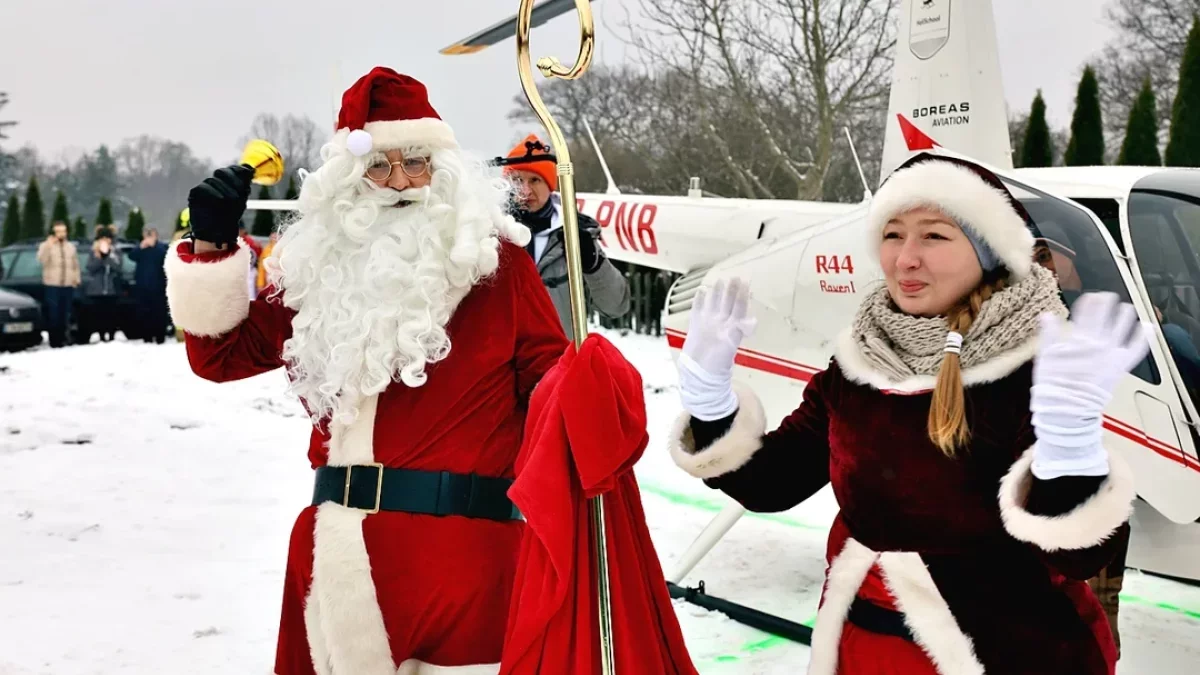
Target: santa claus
413	327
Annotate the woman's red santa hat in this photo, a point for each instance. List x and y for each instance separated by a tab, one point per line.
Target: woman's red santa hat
972	195
385	110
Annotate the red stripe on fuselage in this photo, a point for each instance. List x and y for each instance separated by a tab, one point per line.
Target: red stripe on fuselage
798	371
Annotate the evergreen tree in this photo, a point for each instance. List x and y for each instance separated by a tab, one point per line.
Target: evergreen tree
104	219
12	222
264	219
104	216
135	225
1141	134
1037	150
33	224
1086	147
80	229
292	192
59	212
1183	148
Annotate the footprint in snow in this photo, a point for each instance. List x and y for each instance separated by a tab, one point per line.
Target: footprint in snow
207	632
90	528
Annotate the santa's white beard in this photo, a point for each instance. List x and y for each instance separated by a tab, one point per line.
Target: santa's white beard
374	285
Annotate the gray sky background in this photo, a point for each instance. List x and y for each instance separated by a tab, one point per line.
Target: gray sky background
84	72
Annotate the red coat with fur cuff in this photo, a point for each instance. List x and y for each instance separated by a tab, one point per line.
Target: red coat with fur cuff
985	584
370	594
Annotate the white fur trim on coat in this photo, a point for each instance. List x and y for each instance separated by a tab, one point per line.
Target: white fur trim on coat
842	581
1085	526
342	617
353	443
963	196
429	133
927	615
208	299
925	611
729	452
857	369
414	667
342	601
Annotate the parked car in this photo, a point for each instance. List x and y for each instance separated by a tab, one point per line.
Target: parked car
22	272
20	321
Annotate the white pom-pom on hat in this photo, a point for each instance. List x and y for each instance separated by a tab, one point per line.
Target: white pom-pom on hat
359	142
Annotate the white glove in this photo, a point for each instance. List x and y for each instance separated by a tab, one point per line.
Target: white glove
1074	375
719	320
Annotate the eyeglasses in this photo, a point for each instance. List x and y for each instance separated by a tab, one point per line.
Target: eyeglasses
381	169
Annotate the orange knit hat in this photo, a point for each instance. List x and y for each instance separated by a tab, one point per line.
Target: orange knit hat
535	157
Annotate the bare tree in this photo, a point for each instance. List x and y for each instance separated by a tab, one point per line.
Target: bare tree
4	125
156	175
1151	35
772	81
299	139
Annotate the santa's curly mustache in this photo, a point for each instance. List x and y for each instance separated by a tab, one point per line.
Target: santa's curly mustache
375	274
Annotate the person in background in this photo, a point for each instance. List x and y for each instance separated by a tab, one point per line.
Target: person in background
150	286
103	286
255	257
538	206
60	277
261	283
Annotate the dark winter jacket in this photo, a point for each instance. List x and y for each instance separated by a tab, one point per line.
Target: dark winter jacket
605	289
987	563
149	277
104	275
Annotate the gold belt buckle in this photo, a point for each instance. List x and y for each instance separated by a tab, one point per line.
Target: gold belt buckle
378	487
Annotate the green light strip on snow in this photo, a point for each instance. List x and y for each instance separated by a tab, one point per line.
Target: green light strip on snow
715	506
1161	605
760	645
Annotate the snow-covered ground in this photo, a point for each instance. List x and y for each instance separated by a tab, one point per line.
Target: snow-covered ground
144	517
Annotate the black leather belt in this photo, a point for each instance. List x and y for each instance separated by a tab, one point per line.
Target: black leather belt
876	619
374	488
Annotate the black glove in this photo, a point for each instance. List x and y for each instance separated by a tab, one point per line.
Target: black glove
217	204
590	255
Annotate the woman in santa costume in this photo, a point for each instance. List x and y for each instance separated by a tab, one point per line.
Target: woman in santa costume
959	423
413	327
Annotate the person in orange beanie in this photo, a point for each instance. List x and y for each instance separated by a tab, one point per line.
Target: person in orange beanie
537	204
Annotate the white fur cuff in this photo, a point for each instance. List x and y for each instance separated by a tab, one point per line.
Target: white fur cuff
1085	526
208	299
729	452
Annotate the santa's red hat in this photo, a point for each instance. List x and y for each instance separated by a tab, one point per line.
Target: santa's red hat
385	110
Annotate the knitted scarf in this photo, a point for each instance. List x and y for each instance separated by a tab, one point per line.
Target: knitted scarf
901	345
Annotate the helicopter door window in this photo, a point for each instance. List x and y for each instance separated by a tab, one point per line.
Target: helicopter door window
1069	243
1165	232
1109	213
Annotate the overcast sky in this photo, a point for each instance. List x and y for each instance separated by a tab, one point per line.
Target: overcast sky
84	72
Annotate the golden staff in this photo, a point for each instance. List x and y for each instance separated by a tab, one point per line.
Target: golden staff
551	67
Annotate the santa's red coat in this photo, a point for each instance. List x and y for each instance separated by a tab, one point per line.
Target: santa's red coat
370	594
987	564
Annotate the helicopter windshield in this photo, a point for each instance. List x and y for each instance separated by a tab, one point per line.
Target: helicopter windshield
1071	245
1164	226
